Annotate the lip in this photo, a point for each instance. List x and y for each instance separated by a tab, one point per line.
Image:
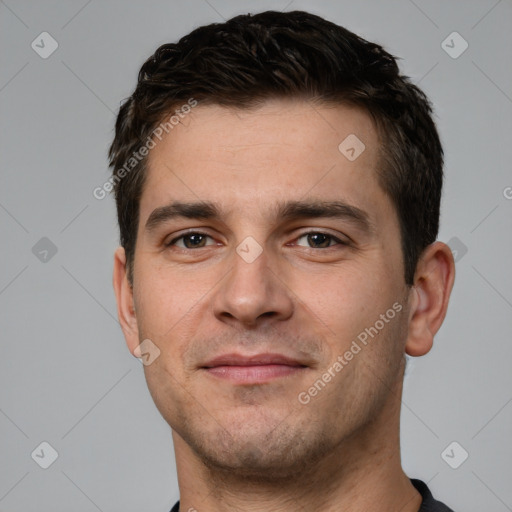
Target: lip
254	360
255	369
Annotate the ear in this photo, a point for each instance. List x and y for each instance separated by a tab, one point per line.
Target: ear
433	283
125	304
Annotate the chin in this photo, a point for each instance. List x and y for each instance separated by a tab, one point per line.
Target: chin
263	452
254	462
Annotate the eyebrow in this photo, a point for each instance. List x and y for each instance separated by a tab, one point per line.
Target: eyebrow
287	211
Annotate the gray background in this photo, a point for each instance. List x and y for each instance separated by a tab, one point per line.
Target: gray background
66	376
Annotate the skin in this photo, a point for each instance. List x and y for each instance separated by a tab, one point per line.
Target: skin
255	447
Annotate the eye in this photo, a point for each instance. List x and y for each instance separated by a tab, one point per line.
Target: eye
319	240
192	240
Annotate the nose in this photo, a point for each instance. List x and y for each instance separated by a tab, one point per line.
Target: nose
252	293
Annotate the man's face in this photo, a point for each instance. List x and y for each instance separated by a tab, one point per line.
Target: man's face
255	284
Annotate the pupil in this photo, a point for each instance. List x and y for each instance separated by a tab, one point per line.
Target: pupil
319	239
194	240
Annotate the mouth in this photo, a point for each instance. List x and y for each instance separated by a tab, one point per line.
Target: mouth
256	369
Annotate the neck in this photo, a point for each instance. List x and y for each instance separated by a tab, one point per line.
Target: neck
363	473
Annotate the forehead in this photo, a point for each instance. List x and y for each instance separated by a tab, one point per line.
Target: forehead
251	159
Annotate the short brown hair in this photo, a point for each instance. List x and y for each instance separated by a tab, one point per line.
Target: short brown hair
252	58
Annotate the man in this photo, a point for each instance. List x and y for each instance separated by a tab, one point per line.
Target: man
278	185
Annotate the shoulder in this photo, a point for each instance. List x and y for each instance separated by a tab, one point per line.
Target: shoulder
429	504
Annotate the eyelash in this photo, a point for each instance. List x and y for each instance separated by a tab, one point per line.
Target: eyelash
333	238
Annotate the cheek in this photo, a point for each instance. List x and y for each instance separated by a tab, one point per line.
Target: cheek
343	303
165	301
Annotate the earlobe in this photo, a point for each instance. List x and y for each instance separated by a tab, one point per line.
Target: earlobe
124	297
433	282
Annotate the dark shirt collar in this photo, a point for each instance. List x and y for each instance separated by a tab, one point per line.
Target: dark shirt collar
428	504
